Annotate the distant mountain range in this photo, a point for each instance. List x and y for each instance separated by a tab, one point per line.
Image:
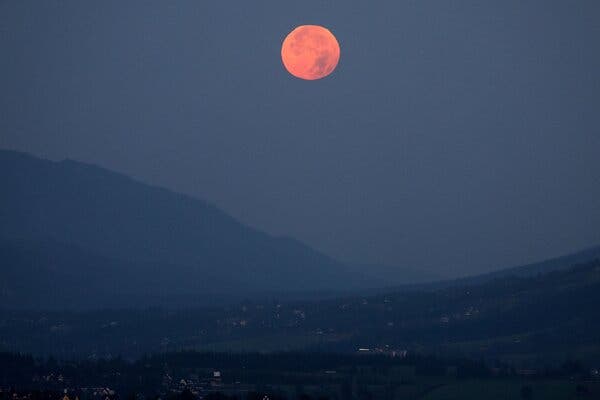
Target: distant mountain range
73	234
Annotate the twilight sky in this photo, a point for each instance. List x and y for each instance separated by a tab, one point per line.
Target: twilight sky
455	136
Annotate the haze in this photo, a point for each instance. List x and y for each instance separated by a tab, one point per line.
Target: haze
457	137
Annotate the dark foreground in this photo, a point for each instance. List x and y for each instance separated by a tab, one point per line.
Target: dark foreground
527	322
193	375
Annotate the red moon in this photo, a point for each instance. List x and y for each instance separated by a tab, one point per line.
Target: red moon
310	52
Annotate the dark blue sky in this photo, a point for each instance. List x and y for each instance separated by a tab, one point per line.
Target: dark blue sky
456	136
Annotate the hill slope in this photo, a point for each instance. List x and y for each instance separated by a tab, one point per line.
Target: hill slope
521	271
112	216
529	321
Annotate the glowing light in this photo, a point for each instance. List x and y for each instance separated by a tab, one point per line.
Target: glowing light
310	52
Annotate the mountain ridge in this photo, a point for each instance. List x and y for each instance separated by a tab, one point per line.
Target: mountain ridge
119	218
189	244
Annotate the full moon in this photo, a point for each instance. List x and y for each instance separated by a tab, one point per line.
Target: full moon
310	52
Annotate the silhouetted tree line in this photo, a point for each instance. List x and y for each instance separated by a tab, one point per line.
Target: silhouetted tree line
19	369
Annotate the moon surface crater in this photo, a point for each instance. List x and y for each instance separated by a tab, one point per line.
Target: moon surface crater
310	52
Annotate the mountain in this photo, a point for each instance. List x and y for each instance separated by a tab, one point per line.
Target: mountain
521	271
96	219
48	274
542	267
123	243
